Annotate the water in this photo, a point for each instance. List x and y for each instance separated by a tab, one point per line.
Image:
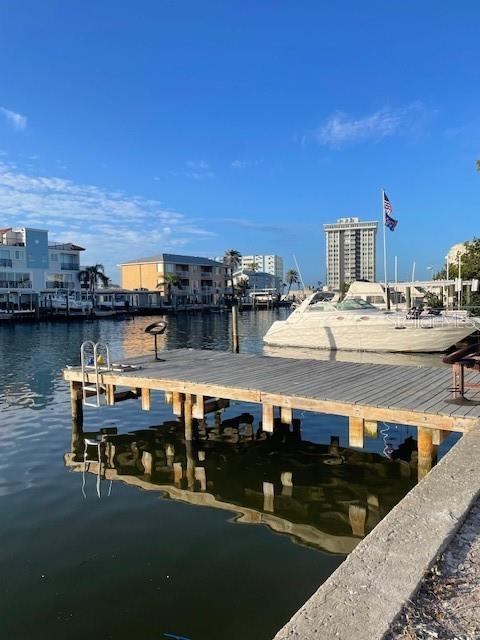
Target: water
222	538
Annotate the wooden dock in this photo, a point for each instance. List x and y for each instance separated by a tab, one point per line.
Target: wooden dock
194	381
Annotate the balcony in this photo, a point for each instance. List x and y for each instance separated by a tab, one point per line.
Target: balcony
14	284
55	284
5	262
66	266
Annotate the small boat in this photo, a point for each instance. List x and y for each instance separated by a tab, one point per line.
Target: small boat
103	311
354	324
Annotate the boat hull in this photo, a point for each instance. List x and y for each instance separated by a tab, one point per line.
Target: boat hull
416	338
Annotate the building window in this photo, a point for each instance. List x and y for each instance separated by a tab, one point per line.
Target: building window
19	255
54	257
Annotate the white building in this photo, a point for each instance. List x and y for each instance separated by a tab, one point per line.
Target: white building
265	263
30	264
257	280
350	251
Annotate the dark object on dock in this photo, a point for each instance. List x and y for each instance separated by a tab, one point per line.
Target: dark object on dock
156	329
466	358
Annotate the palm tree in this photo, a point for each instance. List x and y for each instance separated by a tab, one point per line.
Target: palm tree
232	259
291	278
170	280
91	276
242	286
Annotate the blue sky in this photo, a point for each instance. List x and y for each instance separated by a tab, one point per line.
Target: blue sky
190	126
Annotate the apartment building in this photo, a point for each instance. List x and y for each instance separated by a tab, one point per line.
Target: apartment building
30	264
350	251
271	264
189	279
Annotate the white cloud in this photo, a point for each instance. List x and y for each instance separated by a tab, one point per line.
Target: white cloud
239	164
199	170
340	129
111	225
16	120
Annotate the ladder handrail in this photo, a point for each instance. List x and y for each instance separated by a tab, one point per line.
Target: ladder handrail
94	348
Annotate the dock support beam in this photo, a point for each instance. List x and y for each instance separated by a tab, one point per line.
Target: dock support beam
267	417
371	428
76	402
146	399
427	451
187	416
355	432
286	415
178	404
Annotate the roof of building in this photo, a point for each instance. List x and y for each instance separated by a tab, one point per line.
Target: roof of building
177	259
65	246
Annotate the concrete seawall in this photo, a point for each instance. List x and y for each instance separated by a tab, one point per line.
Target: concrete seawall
363	596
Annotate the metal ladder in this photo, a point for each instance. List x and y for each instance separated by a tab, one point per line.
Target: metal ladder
89	356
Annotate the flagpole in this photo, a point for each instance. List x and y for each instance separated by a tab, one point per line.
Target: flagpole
385	250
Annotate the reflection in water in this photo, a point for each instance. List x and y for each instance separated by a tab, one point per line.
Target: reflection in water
323	496
366	357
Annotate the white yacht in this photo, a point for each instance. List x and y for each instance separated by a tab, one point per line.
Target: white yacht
354	324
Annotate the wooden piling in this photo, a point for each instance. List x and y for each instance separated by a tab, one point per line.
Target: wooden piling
198	407
187	416
426	451
110	395
268	496
286	415
177	404
371	428
267	417
355	432
358	519
235	341
146	399
76	402
287	484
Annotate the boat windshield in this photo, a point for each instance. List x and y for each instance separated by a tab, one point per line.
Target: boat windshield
352	304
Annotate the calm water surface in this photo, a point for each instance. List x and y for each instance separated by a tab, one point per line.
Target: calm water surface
220	539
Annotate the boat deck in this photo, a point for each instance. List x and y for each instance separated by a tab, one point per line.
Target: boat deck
411	395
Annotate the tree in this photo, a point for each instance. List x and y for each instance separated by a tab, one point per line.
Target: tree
91	276
469	261
241	287
232	259
291	278
170	280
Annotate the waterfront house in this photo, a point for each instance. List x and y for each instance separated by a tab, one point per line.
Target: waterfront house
185	279
32	269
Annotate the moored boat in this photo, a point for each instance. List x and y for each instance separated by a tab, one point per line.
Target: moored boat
355	324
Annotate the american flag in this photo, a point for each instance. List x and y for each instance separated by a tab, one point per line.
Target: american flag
389	222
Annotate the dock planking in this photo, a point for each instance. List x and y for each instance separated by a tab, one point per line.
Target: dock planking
417	396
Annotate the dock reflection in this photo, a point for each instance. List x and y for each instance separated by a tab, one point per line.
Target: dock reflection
321	495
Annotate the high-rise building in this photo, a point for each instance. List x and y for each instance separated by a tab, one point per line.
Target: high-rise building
350	251
266	263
